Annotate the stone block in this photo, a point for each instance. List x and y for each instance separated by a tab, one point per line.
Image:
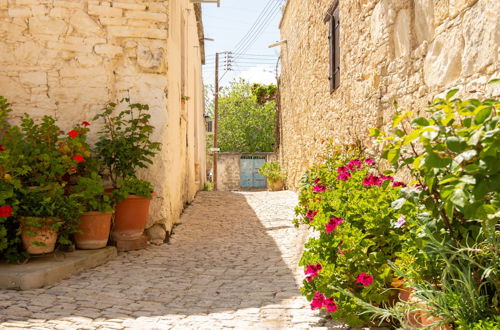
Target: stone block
84	24
59	12
440	11
69	4
78	48
47	25
156	234
19	12
146	15
128	5
135	32
108	50
33	78
424	20
44	271
402	36
104	11
39	10
138	244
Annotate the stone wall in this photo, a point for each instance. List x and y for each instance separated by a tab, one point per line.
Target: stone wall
69	58
391	50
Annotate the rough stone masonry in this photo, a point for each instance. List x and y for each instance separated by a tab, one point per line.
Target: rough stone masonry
69	58
390	50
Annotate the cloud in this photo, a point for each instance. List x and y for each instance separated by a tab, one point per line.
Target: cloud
262	74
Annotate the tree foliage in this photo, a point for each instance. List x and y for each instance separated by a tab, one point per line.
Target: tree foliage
247	117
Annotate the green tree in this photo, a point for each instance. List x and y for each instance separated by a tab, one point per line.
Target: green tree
247	117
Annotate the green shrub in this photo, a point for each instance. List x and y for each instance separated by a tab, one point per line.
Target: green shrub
272	171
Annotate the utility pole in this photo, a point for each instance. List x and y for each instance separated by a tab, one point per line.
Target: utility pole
216	117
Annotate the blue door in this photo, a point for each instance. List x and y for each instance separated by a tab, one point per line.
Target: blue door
249	172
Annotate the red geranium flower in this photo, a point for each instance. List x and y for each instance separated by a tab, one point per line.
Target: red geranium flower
73	134
2	148
78	158
85	123
5	211
364	279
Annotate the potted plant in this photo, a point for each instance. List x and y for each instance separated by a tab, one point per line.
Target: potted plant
273	174
124	146
95	222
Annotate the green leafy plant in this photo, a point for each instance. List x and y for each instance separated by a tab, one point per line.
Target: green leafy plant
89	192
124	143
132	186
349	205
272	171
453	154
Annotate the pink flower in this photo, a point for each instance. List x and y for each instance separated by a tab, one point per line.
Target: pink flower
369	161
85	123
401	221
311	214
372	181
78	158
316	181
330	305
73	134
319	188
354	164
333	224
317	301
364	279
312	271
342	170
390	178
344	176
5	211
396	184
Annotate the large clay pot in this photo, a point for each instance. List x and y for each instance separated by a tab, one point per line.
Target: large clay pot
38	240
275	185
94	227
131	216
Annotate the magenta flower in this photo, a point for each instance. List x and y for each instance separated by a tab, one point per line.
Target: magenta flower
317	301
372	181
390	178
333	224
364	279
312	271
311	214
316	181
342	169
344	176
396	184
319	188
401	221
354	164
330	305
369	161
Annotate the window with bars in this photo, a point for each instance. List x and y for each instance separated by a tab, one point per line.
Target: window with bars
332	18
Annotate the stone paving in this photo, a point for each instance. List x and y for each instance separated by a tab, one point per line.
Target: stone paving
231	263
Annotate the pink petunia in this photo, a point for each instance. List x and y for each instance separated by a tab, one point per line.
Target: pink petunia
390	178
312	271
369	161
344	176
396	184
364	279
319	188
354	164
317	301
311	214
372	181
330	305
333	224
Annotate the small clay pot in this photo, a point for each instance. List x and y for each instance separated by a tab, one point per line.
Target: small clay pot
94	227
44	240
276	185
131	217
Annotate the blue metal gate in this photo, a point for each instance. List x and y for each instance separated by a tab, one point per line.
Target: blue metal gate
249	172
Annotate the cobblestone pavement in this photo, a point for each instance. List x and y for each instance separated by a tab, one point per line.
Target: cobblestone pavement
230	263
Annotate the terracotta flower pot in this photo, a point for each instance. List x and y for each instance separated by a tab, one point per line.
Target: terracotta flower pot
95	227
131	216
38	240
276	185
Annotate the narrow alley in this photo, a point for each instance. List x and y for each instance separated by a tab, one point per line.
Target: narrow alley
231	263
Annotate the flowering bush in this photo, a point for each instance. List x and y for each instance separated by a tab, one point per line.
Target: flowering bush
348	204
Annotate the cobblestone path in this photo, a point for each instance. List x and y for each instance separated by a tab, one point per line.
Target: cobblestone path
230	263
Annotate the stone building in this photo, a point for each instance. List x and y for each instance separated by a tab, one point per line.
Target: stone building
68	58
383	51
